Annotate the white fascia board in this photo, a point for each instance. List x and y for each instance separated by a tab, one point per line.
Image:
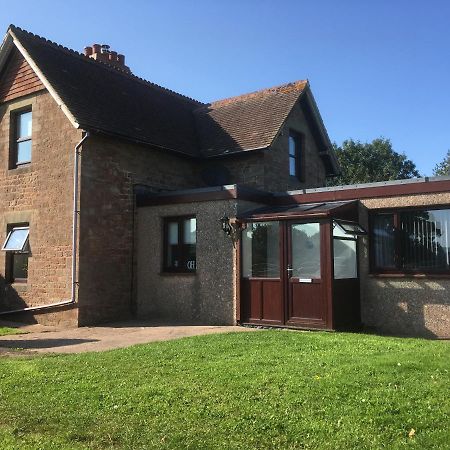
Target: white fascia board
5	49
44	81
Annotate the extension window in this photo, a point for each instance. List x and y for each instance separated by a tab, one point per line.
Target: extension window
411	241
180	243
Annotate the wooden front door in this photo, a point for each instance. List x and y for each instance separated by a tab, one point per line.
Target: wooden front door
262	281
284	274
306	295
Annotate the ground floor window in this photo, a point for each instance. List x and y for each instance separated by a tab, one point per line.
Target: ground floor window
180	241
345	261
413	240
17	251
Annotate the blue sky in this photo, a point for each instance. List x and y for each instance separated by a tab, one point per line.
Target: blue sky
376	68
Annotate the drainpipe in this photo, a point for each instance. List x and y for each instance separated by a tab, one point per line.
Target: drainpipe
75	212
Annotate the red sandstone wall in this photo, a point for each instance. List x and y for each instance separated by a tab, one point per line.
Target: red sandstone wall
39	193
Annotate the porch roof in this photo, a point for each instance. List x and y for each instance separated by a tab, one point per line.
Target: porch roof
324	209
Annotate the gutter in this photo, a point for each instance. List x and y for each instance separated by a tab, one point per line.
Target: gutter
75	213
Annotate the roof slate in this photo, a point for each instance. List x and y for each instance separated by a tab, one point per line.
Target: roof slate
246	122
105	99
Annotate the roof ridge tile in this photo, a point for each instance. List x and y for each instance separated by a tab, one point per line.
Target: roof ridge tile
293	85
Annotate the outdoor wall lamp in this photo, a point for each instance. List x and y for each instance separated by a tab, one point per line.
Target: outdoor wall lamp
227	228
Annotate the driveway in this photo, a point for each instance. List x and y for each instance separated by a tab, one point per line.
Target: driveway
41	339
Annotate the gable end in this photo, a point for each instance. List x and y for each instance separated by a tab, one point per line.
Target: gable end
18	78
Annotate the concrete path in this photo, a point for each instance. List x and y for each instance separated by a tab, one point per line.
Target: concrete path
40	339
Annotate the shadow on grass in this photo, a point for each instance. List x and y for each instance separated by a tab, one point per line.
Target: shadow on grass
30	344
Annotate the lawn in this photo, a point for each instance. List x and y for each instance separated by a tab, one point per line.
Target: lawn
6	330
268	389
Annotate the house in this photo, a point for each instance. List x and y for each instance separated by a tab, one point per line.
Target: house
121	198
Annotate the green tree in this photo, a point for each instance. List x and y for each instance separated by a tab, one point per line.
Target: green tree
443	168
368	162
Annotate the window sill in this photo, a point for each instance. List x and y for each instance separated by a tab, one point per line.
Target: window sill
25	167
19	286
409	275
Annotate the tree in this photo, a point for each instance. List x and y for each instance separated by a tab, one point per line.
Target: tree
443	168
369	162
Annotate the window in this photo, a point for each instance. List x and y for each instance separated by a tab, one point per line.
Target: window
17	247
345	249
180	239
295	155
411	241
261	250
21	152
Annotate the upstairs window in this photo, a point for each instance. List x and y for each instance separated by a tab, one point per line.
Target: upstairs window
295	156
17	248
416	240
180	242
21	152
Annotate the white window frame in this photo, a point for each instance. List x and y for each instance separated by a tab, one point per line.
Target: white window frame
21	249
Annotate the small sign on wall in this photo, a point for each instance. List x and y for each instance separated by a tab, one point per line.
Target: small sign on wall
191	265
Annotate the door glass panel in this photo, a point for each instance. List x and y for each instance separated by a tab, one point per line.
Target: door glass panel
344	259
261	250
306	250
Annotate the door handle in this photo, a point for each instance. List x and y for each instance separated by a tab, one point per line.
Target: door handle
289	270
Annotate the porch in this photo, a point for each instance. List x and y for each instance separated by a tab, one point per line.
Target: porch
299	266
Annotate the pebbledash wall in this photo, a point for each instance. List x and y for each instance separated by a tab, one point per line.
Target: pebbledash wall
405	305
401	305
40	193
207	296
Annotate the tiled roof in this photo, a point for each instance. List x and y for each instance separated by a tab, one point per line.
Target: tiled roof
106	99
245	122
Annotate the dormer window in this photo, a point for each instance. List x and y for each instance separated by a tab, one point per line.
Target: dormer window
21	153
295	156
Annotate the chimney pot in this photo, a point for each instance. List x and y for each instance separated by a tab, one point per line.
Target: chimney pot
104	54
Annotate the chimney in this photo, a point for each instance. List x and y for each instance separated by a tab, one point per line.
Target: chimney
104	54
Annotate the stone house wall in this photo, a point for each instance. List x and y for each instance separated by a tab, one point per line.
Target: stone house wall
407	305
40	193
276	161
110	168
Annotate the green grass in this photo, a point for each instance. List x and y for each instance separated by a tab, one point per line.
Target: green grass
6	330
267	389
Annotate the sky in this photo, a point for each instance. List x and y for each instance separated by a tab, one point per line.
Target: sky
376	68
